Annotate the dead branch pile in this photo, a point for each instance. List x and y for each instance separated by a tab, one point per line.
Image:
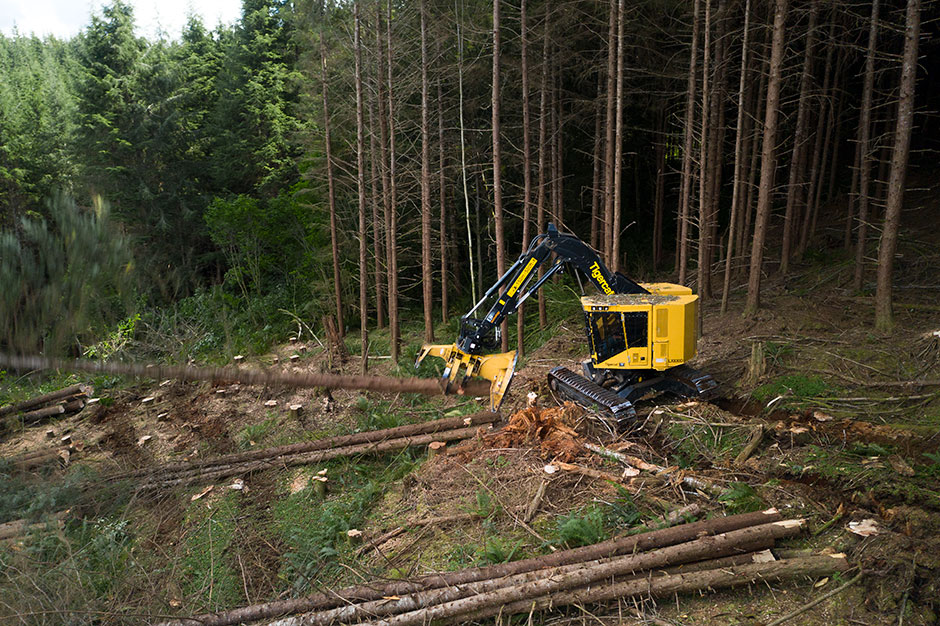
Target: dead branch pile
305	453
551	429
62	402
713	553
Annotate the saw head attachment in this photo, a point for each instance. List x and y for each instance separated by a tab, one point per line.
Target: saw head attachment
497	368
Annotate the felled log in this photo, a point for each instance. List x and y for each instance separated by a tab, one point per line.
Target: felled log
666	585
433	426
73	406
270	378
218	472
450	601
374	591
431	521
38	401
20	527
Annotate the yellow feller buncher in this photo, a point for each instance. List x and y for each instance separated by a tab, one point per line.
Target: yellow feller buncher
641	334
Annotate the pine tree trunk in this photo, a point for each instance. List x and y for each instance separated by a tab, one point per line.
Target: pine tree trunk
383	147
611	125
736	193
543	157
618	146
703	167
330	190
768	160
819	146
659	200
795	183
526	167
597	195
391	240
442	191
884	320
361	188
558	151
378	232
753	170
685	194
864	149
425	184
497	171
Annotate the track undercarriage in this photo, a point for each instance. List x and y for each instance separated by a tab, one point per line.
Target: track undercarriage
615	391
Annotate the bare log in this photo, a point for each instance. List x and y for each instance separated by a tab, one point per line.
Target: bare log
449	602
20	527
38	415
433	426
374	591
189	477
431	521
669	584
269	378
38	401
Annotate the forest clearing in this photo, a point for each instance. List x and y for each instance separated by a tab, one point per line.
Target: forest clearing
226	253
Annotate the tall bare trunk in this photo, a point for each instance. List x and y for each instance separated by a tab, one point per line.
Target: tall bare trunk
442	190
704	179
685	199
753	170
884	320
558	152
391	239
864	149
383	149
797	158
497	170
659	200
597	194
361	188
618	145
768	160
526	166
611	125
543	156
427	293
378	222
330	190
736	192
822	134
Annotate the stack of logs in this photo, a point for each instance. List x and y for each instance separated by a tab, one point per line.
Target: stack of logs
306	453
710	554
62	402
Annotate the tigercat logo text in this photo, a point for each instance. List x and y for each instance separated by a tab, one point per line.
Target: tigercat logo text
598	276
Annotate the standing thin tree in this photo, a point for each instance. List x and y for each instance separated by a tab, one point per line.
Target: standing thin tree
685	195
864	149
361	187
381	229
330	188
497	171
798	156
526	166
425	183
543	156
608	247
391	236
884	320
442	189
703	167
618	145
737	188
768	159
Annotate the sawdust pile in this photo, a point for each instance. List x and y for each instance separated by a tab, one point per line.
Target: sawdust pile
552	430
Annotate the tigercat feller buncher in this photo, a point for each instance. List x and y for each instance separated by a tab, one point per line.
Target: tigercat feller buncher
641	334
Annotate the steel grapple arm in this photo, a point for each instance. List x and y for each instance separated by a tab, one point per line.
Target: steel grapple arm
480	335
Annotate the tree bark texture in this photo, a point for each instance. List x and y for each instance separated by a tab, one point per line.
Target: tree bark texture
497	172
425	184
864	149
768	160
609	143
902	140
391	240
337	288
526	166
703	167
543	160
618	147
685	194
361	188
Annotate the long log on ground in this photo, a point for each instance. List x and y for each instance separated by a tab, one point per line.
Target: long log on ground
304	458
374	591
20	527
400	530
73	406
37	457
667	585
433	426
447	602
45	398
428	386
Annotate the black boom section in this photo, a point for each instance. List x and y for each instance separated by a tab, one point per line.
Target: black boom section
516	285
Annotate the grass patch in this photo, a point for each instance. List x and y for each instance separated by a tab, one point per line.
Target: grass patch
208	574
691	441
253	434
795	390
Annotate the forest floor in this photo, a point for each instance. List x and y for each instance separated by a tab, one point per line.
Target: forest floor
848	439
